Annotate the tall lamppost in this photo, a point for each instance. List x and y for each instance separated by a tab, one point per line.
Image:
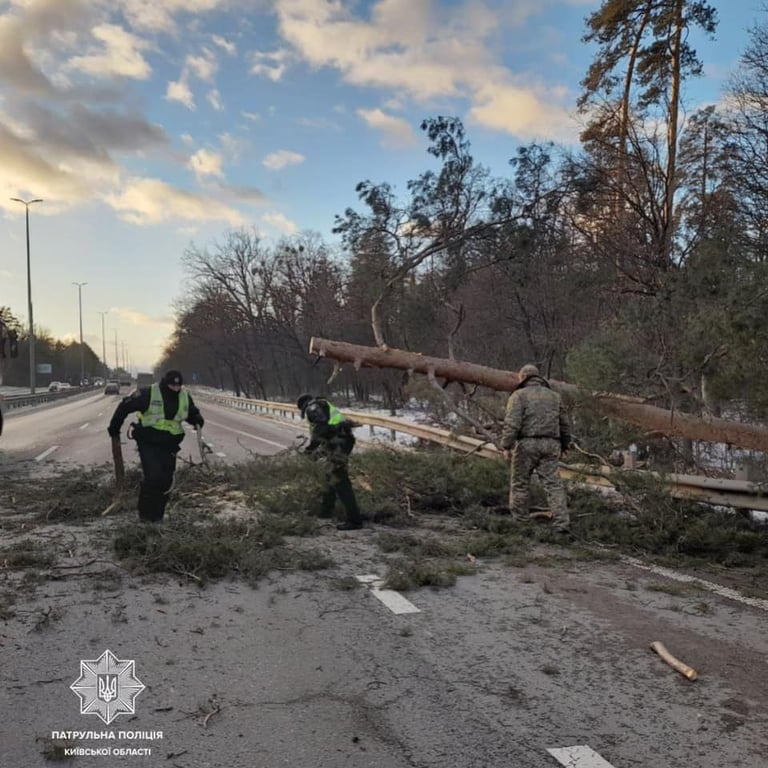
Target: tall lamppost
26	204
104	344
82	348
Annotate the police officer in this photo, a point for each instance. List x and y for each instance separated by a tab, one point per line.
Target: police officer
536	434
158	434
332	438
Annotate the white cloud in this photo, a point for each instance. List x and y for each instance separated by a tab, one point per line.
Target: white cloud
214	99
280	222
206	163
521	112
271	65
252	116
158	15
203	66
282	158
425	52
146	201
226	45
233	147
120	55
397	132
179	91
136	317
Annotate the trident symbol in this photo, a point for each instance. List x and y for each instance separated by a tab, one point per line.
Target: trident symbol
107	687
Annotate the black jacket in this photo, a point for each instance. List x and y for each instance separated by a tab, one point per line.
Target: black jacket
138	402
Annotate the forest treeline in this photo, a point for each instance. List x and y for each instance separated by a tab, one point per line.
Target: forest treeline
63	357
635	262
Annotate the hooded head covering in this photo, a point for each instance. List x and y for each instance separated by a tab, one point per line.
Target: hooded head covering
173	377
303	402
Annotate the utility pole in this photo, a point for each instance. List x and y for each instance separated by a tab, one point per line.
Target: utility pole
104	344
117	359
26	204
82	348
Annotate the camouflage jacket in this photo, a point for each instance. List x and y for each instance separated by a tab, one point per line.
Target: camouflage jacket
535	410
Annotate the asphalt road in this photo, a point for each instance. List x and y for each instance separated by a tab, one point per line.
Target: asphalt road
492	673
74	432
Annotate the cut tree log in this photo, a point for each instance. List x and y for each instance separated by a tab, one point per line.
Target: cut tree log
632	410
674	662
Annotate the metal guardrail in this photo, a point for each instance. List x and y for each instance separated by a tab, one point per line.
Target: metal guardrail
11	402
733	493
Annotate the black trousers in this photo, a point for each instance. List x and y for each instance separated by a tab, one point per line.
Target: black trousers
158	463
338	485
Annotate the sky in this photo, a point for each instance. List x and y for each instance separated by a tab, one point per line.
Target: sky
147	126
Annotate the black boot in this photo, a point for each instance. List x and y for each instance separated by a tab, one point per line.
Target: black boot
350	525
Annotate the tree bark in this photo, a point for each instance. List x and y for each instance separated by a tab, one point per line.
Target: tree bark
629	409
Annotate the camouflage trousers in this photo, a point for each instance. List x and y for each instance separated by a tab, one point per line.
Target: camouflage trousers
540	455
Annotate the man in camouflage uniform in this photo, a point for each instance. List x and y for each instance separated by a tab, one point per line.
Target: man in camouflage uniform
332	439
536	434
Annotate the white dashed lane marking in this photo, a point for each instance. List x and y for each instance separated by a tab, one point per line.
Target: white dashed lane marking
46	454
579	757
87	424
393	600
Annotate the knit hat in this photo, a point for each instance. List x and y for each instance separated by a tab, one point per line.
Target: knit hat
173	377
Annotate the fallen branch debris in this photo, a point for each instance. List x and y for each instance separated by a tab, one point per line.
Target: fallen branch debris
675	663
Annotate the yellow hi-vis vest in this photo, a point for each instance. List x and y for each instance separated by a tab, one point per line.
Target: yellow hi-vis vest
154	416
336	416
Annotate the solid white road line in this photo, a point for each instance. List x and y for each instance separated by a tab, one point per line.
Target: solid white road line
47	453
247	434
87	424
393	600
732	594
579	757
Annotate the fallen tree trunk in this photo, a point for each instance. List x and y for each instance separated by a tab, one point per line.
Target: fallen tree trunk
629	409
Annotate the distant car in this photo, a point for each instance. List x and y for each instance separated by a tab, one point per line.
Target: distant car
54	386
64	385
112	388
99	382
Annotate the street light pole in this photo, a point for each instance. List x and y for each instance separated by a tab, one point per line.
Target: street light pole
82	348
104	344
26	204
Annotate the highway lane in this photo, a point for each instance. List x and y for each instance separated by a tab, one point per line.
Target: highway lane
74	432
493	673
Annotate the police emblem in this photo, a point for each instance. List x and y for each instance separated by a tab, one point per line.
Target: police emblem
107	687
